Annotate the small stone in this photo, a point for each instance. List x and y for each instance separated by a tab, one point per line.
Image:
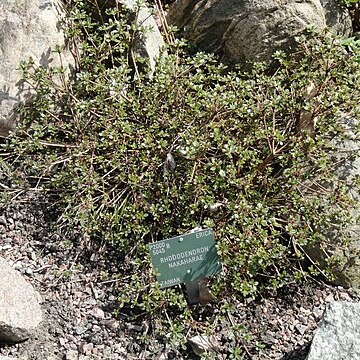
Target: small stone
112	298
97	339
305	311
96	328
301	328
2	220
71	338
203	343
20	311
72	355
28	271
162	357
86	348
318	312
136	328
112	324
97	313
80	330
94	257
91	302
78	294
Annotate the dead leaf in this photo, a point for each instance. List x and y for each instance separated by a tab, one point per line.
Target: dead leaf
203	343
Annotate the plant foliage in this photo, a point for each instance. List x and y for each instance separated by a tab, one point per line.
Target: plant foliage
240	164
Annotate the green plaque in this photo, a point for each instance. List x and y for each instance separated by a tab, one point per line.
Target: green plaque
185	258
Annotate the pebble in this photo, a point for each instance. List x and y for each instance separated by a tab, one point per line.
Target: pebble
2	220
80	330
112	324
135	328
301	328
98	339
86	348
72	355
6	247
94	257
318	312
97	313
71	338
28	271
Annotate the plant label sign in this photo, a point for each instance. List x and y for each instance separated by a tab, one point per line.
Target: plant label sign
185	258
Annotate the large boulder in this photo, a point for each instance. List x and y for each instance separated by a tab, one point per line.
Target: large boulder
149	43
28	28
20	311
254	29
346	158
337	18
338	334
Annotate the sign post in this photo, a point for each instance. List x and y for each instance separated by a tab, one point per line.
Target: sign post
185	259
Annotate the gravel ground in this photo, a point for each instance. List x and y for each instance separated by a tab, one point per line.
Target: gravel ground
76	285
73	283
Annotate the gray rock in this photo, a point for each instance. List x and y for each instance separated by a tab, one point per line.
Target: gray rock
86	348
149	42
253	29
346	156
97	313
28	28
337	19
72	355
338	334
2	220
20	311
